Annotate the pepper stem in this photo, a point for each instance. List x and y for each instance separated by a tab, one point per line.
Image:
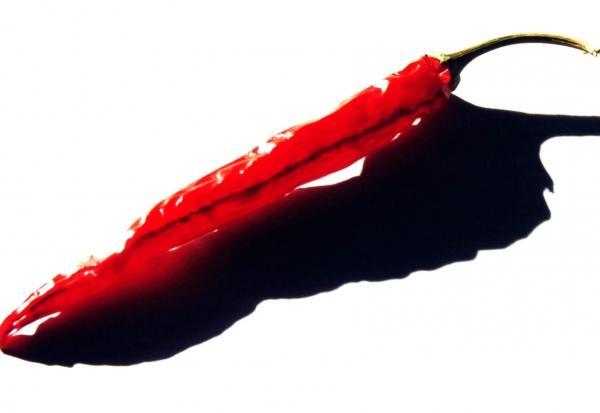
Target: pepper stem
457	61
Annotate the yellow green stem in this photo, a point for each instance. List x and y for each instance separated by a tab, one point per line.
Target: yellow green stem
458	60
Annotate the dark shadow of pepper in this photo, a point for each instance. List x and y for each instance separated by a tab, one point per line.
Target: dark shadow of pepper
469	179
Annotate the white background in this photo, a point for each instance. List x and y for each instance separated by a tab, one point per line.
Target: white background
106	107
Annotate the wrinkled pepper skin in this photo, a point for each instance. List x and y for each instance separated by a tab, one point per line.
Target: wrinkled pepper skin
164	241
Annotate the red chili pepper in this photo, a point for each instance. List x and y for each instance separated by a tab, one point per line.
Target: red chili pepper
363	124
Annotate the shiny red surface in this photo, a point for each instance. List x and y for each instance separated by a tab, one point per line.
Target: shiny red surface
161	245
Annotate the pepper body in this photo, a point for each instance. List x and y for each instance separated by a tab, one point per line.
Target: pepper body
361	125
